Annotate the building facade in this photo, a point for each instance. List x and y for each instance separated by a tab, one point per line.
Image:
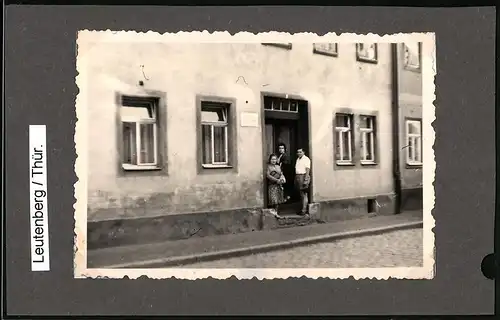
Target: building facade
179	134
409	89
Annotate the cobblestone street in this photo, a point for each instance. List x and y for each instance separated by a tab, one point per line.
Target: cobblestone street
394	249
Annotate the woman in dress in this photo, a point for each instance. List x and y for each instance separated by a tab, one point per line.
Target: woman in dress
275	179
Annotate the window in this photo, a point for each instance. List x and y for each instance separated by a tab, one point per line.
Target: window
280	45
343	129
367	129
282	105
367	52
414	142
139	133
214	134
328	49
412	55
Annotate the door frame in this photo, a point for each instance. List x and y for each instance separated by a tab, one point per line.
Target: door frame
307	110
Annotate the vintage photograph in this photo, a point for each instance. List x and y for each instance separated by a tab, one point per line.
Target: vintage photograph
269	155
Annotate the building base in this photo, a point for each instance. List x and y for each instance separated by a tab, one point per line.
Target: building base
122	232
412	199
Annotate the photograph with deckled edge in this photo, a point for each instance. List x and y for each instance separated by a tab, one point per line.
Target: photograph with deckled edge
270	156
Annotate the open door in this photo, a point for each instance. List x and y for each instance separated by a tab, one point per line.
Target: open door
286	122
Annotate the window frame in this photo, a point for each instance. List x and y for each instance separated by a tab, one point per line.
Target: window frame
408	136
289	110
339	141
373	132
221	124
410	67
230	142
284	45
155	101
321	51
361	58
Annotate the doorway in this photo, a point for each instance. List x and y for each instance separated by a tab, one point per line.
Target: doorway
285	121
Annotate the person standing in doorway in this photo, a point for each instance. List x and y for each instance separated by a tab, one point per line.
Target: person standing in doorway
276	179
303	178
284	163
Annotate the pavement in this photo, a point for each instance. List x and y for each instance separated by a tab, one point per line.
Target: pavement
202	251
401	248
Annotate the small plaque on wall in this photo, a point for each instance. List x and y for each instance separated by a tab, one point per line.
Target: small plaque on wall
249	119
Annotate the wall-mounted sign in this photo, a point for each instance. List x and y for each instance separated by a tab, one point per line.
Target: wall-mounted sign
249	119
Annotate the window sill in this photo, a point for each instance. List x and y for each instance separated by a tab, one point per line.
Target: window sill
368	163
412	68
132	167
216	166
345	164
324	53
413	165
367	60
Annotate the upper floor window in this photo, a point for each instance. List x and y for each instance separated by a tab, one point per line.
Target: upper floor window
367	52
367	129
279	45
414	142
344	138
139	120
214	134
328	49
412	55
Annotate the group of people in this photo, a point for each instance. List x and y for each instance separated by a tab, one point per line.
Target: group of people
284	178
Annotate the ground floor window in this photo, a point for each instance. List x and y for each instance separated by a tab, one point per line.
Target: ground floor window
368	139
139	122
214	134
414	142
344	138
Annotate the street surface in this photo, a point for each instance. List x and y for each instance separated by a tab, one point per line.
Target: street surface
402	248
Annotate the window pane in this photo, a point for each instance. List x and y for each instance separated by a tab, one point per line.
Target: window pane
413	127
337	147
220	144
369	144
412	54
363	145
345	144
367	50
129	143
138	113
147	143
211	113
276	105
410	149
417	149
342	120
326	47
366	122
285	105
206	134
293	106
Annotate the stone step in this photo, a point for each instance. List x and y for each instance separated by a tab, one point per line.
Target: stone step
286	221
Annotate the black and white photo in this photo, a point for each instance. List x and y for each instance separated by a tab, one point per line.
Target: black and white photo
267	155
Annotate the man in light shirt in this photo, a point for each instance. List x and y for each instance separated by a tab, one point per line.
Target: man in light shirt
303	178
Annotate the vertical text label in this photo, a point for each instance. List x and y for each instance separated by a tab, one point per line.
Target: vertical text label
38	199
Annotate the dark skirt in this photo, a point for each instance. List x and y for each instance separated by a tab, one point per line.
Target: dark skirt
276	195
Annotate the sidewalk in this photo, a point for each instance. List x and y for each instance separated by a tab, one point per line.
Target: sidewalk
176	253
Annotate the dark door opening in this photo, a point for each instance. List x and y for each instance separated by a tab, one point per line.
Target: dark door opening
286	121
